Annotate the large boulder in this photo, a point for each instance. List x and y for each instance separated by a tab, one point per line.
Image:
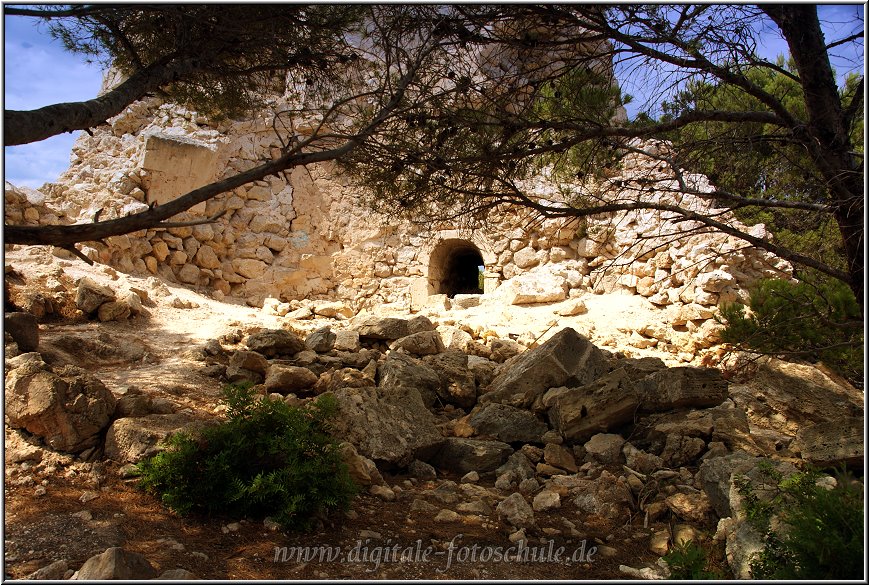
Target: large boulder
831	444
287	379
383	328
606	403
683	387
24	330
458	383
321	340
90	295
566	359
388	429
507	423
787	397
116	563
463	455
534	287
132	439
422	343
275	342
68	408
399	373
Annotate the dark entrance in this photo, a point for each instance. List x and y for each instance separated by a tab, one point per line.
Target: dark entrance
456	267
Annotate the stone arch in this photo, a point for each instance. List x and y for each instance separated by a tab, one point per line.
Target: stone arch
455	267
451	254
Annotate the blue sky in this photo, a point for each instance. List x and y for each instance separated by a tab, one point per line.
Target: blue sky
39	72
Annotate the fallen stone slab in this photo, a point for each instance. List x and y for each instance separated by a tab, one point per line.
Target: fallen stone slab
566	359
463	455
832	444
507	423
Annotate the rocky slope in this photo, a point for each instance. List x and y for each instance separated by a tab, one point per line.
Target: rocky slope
501	424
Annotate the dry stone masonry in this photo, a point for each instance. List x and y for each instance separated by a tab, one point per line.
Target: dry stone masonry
303	236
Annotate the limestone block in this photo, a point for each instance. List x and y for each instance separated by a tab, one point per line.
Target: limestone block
189	274
177	165
249	267
206	257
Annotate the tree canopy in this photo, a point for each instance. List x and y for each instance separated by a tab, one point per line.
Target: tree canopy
441	110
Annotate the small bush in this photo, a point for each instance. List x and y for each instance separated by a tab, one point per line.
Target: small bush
688	560
810	320
267	459
820	534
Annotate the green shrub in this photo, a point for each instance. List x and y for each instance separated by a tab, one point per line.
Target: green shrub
811	320
820	534
267	459
688	560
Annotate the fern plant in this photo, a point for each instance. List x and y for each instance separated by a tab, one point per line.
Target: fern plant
267	459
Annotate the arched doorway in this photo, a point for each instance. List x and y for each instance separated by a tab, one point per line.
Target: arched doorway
456	267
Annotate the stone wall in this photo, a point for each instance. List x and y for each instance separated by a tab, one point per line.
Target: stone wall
303	234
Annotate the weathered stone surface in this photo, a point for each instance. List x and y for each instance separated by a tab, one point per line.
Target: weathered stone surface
286	379
321	340
333	309
515	511
787	397
249	360
534	287
400	372
605	447
178	575
275	342
831	444
113	311
606	496
458	384
504	349
421	470
546	500
388	430
463	455
641	461
682	387
116	563
693	507
680	450
52	572
572	307
566	359
24	330
132	439
507	423
90	295
560	457
518	466
362	470
579	413
374	327
67	408
422	343
347	340
418	324
724	423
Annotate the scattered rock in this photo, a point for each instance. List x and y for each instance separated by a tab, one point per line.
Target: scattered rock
422	343
24	330
116	563
287	379
507	423
90	295
463	455
321	340
275	342
516	511
68	408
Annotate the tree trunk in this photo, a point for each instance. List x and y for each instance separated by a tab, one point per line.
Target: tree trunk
828	138
24	127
